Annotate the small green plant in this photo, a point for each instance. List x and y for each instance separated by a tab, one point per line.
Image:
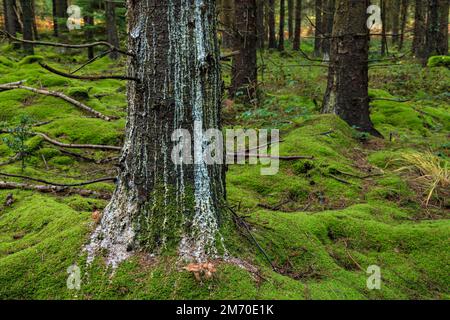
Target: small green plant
360	135
18	136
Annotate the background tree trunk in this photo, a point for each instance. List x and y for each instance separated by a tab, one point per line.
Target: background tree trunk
227	19
89	31
418	46
291	19
442	41
59	17
35	30
244	70
10	17
281	26
348	80
395	11
298	25
318	33
271	21
327	24
404	14
111	27
159	206
384	22
27	19
260	28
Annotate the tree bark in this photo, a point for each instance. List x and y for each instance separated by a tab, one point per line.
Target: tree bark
271	21
418	46
111	27
395	10
281	26
384	43
244	72
10	17
260	29
327	25
227	20
27	19
89	32
404	14
59	16
291	19
159	206
318	33
442	41
298	25
347	89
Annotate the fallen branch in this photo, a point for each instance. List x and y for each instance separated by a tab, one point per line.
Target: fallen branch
54	189
265	156
79	184
77	146
82	106
92	78
67	45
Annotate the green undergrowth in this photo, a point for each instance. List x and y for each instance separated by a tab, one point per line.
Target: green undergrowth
322	221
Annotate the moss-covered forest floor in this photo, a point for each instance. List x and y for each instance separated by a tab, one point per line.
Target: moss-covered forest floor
322	222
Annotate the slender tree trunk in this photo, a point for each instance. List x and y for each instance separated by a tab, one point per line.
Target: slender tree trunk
432	30
291	19
260	23
27	19
111	27
347	89
298	25
442	41
405	6
395	10
160	206
35	30
327	25
418	46
10	17
59	17
244	74
271	20
89	32
384	43
281	29
227	20
318	33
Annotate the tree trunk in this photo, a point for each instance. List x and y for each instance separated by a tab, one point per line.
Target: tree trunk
418	46
327	25
227	18
298	25
89	32
27	19
244	64
159	206
35	30
111	27
395	10
318	33
59	17
260	23
291	19
281	27
10	17
384	43
405	6
442	41
271	20
347	89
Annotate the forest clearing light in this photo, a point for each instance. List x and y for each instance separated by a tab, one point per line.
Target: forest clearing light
208	147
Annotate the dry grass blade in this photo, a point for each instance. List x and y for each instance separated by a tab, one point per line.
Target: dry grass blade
432	170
